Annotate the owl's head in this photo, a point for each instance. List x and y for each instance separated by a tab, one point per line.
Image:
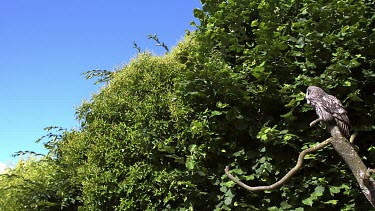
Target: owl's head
313	92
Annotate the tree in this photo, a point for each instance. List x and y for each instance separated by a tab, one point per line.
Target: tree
158	135
280	48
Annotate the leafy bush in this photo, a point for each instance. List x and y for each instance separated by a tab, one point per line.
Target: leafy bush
277	49
36	184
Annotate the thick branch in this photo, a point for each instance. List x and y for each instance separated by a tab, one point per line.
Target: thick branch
344	148
355	164
287	176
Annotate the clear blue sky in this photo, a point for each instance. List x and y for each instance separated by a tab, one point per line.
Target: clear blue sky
46	45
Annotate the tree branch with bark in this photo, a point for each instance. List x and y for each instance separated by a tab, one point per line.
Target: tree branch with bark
288	176
345	149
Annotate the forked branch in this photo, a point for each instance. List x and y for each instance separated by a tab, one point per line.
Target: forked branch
287	176
345	149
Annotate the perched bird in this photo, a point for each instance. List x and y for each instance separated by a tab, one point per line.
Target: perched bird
329	109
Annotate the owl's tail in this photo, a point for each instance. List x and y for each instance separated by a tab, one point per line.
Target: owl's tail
342	121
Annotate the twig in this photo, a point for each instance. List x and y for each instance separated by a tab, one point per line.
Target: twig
287	176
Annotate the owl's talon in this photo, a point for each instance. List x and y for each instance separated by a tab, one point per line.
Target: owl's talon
314	122
352	137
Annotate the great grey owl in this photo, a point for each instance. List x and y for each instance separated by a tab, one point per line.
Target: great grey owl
329	109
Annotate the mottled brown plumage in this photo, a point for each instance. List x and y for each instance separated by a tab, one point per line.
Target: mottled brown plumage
329	109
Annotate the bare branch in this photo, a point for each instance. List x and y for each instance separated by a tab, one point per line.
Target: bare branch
287	176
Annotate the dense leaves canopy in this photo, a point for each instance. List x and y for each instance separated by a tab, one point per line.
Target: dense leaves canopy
160	132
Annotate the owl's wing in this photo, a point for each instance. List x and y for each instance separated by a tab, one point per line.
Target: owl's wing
337	110
332	104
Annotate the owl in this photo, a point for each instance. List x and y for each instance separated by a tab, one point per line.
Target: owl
329	109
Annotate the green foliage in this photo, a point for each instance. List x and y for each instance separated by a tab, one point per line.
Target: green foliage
40	183
160	132
133	158
36	184
276	49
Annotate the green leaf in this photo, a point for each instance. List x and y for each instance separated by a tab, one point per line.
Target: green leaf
310	156
190	164
347	83
221	105
285	205
216	113
334	202
192	147
224	189
333	190
228	200
308	202
237	171
254	23
239	153
228	197
319	190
